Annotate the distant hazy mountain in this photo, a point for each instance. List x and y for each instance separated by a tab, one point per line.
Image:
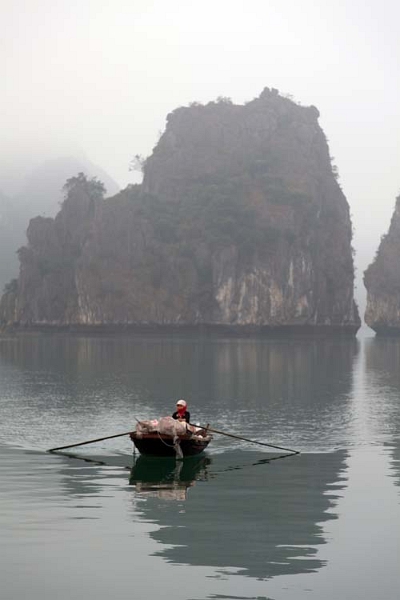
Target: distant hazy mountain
41	190
39	193
10	235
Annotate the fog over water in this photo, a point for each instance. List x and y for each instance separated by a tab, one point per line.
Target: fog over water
96	79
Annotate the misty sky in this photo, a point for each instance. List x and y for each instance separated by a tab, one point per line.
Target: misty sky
98	77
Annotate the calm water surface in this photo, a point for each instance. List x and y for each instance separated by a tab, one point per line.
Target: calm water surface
239	522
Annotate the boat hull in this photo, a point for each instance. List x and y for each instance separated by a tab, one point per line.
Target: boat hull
154	444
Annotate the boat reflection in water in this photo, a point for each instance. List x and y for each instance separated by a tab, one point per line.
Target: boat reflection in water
168	478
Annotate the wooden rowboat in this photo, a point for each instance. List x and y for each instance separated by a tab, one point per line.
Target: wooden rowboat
157	444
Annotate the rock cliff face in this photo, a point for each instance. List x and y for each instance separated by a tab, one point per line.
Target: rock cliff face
239	222
382	281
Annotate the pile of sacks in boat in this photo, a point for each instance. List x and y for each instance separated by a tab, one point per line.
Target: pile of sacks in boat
167	426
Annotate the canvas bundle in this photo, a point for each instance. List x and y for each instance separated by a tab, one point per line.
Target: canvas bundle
143	427
169	426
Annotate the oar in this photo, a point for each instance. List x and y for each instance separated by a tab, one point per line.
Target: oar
238	437
108	437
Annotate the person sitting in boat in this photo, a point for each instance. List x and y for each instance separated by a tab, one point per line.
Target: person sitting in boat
181	414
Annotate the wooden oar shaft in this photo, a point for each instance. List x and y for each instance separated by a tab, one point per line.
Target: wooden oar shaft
238	437
107	437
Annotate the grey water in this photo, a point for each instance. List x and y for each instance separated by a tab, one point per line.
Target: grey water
242	521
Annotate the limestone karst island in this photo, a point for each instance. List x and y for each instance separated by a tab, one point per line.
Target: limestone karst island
239	224
382	281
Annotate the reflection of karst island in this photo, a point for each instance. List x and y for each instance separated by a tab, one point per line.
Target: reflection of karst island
382	359
259	519
240	223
